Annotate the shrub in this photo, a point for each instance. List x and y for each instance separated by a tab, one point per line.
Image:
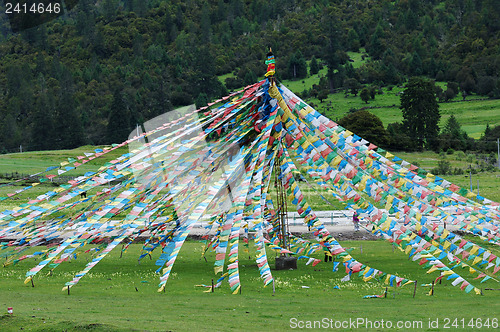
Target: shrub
443	168
460	155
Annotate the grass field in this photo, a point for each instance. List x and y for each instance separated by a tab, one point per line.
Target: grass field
32	162
489	182
120	294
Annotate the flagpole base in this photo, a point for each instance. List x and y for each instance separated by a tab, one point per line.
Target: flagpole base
286	263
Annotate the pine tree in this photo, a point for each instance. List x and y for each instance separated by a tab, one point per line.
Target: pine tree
353	40
69	130
376	44
118	127
421	111
42	134
313	66
297	67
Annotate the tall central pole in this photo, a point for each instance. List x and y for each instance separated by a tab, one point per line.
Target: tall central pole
282	206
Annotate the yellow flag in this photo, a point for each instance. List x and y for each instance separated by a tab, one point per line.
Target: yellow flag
476	260
432	269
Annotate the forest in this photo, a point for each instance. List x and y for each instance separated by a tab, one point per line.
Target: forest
95	73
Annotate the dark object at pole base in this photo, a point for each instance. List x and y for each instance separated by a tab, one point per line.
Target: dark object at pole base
286	263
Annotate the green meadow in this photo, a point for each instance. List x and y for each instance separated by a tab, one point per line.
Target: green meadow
32	162
120	294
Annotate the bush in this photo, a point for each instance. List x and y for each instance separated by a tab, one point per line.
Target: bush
460	155
450	151
443	168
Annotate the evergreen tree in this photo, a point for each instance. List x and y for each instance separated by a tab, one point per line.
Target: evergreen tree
297	67
201	100
332	49
353	40
377	47
452	136
69	130
313	66
365	95
42	134
118	127
416	64
421	111
205	23
109	9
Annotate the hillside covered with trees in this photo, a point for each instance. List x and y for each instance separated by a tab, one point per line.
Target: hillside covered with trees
92	75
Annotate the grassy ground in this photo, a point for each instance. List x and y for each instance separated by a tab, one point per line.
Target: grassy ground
489	182
36	161
120	294
356	58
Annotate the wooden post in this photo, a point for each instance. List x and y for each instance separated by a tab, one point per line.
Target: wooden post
68	290
32	284
274	289
415	289
361	248
212	285
385	293
432	289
